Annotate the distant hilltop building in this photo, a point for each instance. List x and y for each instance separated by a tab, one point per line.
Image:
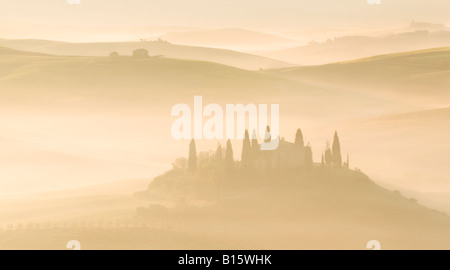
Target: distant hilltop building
140	53
288	155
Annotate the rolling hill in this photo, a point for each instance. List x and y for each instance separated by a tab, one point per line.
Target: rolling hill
226	57
327	209
9	52
331	211
105	109
229	38
410	150
412	138
410	76
433	200
109	111
61	107
353	47
104	82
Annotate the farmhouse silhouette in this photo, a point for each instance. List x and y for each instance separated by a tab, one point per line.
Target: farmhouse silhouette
288	155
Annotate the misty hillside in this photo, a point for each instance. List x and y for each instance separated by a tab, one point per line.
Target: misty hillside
226	38
8	51
414	139
98	112
104	78
32	45
124	82
407	76
58	104
102	110
329	208
433	200
354	47
226	57
417	140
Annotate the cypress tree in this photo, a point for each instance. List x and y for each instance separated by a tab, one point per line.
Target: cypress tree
299	138
328	155
255	145
229	161
268	135
192	161
308	158
336	151
246	156
219	153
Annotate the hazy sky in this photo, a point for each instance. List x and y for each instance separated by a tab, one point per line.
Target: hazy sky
19	17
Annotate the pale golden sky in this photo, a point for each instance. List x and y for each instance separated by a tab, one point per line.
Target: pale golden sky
35	18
